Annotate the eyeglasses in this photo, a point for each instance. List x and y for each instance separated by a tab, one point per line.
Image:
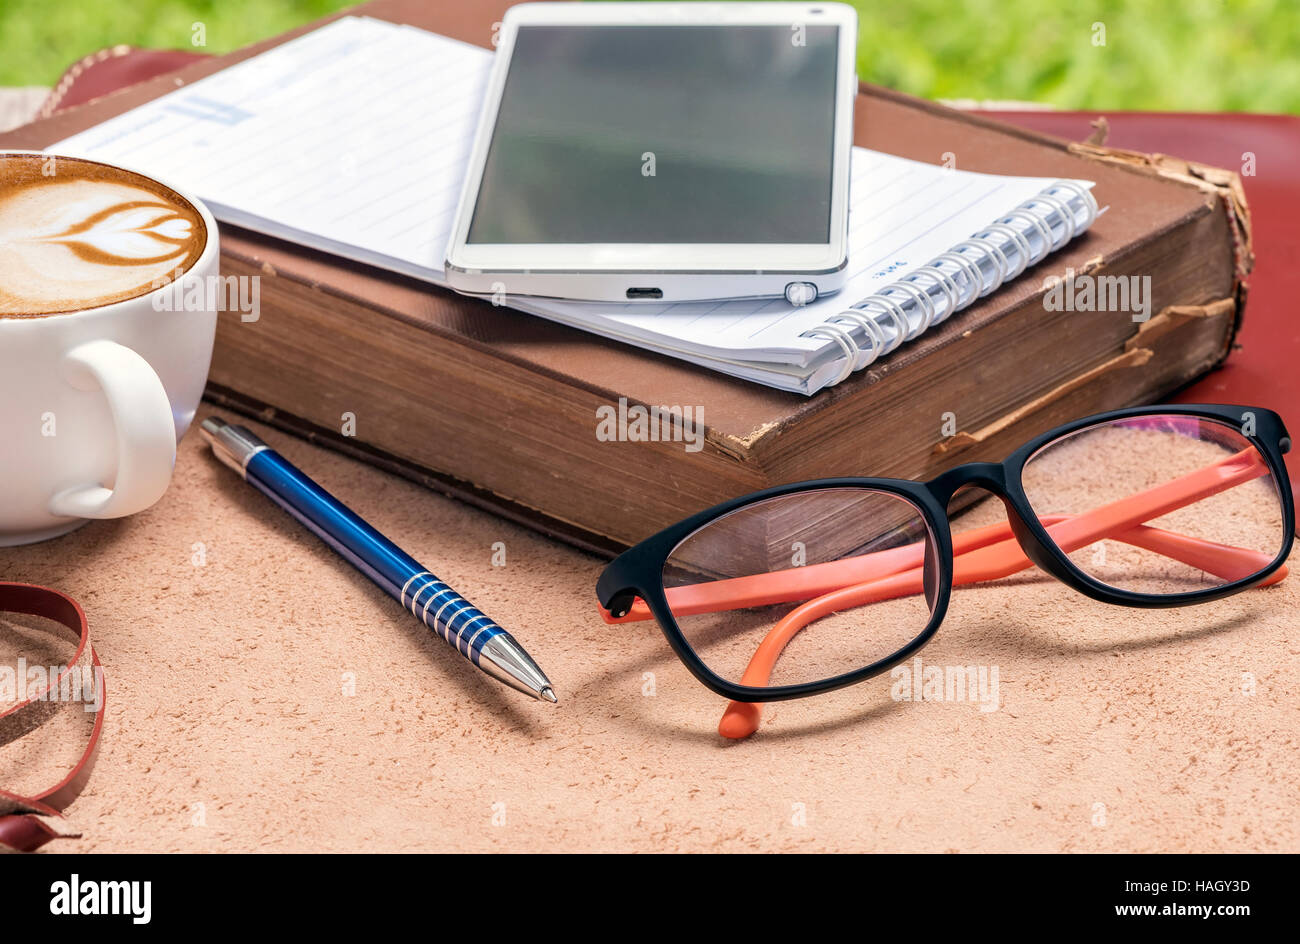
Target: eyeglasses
808	587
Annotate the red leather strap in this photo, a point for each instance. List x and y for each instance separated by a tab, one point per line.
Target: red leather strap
109	70
27	823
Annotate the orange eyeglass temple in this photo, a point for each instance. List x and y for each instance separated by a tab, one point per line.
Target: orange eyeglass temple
979	555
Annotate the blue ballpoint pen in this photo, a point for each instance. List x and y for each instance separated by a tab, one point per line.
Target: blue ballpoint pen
430	600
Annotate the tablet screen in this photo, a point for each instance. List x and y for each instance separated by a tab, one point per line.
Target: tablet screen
662	134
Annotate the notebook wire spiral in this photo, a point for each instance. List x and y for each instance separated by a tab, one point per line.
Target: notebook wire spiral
953	280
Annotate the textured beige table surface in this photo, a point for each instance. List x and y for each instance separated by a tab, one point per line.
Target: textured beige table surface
264	696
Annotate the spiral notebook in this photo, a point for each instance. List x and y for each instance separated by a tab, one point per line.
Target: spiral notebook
289	144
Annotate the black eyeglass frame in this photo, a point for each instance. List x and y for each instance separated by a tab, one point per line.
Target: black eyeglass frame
638	571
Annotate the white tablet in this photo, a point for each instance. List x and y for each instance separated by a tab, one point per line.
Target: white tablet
662	151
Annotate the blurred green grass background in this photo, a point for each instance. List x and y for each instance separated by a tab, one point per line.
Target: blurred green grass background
1184	55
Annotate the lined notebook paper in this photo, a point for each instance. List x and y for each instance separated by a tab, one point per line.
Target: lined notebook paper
291	144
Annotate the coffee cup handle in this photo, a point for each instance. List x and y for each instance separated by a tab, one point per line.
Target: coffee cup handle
142	420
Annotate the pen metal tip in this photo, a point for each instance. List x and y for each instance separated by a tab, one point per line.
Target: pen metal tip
549	695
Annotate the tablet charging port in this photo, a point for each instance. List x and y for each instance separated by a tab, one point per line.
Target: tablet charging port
640	293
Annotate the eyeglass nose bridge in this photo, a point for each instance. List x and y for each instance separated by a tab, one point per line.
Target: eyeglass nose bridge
990	476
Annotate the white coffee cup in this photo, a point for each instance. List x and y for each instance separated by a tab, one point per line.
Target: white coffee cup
94	401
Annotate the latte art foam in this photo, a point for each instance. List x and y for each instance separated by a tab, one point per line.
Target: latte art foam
87	235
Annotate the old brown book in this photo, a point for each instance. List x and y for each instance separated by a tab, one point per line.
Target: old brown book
501	408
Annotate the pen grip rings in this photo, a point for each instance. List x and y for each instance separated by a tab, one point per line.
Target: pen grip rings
461	624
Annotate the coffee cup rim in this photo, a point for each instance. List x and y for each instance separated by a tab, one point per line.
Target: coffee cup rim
210	247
